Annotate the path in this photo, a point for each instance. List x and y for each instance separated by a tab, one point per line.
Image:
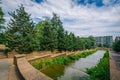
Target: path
114	66
4	69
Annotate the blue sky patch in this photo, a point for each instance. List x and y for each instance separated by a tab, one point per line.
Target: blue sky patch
98	3
38	1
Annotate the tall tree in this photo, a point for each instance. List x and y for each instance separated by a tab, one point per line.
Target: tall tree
39	35
2	20
55	25
58	31
20	31
47	42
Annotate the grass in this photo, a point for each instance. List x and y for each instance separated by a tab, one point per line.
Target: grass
63	60
101	71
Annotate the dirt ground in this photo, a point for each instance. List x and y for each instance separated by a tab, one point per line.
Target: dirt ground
114	68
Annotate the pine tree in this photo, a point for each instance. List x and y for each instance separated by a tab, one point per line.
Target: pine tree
54	24
2	20
47	39
58	27
39	35
20	31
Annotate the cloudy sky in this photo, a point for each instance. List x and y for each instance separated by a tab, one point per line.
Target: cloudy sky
83	17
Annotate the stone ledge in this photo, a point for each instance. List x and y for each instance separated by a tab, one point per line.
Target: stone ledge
28	71
57	55
39	57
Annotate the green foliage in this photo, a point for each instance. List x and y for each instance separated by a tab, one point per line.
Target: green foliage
39	35
116	46
2	20
52	36
47	42
48	34
2	38
20	31
101	71
64	60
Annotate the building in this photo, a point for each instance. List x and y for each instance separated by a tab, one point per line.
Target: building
104	41
117	38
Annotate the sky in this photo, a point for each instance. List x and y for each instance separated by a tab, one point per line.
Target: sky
82	17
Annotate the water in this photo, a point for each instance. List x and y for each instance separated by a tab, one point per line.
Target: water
76	70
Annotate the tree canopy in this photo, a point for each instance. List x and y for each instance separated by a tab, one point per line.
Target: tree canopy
2	20
20	31
23	36
116	46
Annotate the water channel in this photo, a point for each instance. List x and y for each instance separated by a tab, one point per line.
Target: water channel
76	70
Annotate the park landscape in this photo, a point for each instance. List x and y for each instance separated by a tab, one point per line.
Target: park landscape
46	50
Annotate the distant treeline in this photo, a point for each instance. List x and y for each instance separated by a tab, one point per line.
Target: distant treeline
23	36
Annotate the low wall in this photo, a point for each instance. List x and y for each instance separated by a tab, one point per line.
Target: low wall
27	70
39	57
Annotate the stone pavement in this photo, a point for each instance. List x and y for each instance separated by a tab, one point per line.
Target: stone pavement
4	69
114	66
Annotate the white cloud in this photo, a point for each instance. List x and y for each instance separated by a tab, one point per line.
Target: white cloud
82	20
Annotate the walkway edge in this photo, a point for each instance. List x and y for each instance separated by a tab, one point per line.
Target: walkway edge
114	73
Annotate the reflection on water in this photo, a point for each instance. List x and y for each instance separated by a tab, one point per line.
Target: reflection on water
89	61
73	74
74	71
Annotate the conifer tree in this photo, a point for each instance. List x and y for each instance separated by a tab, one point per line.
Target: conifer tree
57	25
20	31
2	20
47	42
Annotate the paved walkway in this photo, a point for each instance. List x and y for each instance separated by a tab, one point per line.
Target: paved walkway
4	69
114	66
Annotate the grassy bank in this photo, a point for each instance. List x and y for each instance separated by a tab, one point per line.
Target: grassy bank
101	70
64	60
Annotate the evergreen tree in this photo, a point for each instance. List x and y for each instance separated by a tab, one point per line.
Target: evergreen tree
47	42
66	41
61	41
20	31
2	20
71	41
57	24
39	35
116	46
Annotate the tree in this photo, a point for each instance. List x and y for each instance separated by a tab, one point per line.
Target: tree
39	35
2	20
47	42
116	46
58	32
20	31
66	41
92	41
53	34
